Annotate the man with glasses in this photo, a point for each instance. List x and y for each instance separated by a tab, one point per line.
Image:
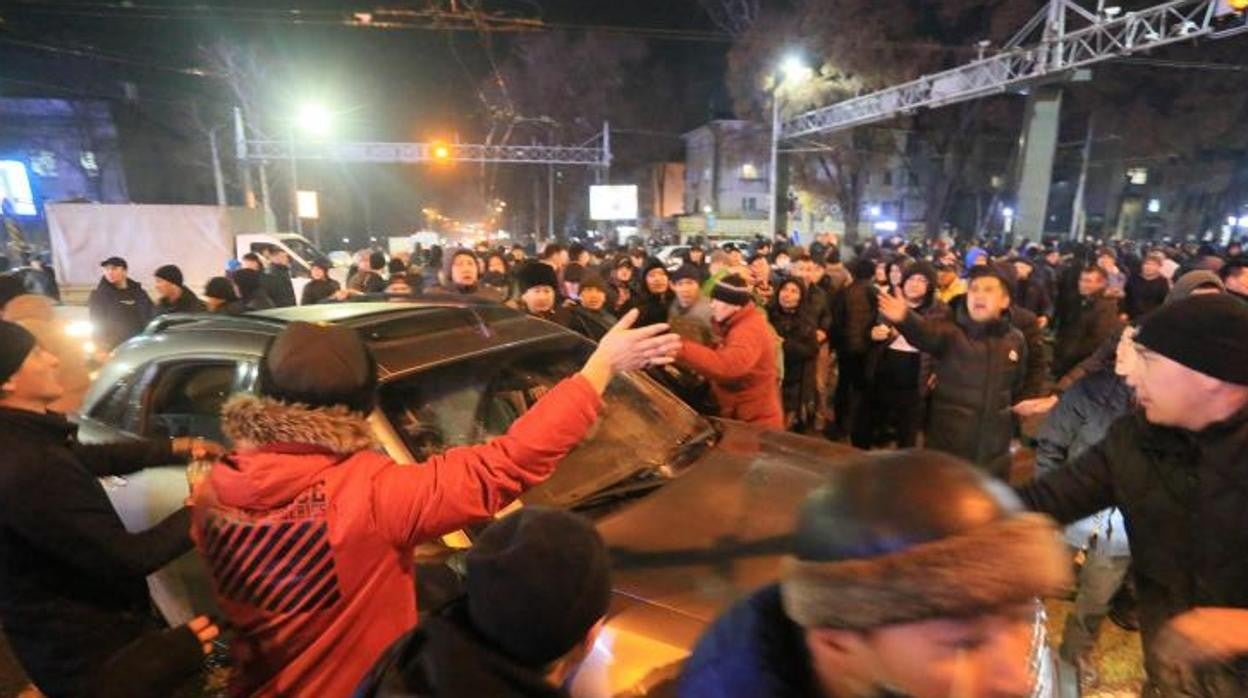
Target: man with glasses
1178	470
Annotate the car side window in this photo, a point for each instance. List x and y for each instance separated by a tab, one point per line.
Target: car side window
186	399
123	406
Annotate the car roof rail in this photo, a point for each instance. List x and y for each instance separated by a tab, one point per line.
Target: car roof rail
171	320
164	322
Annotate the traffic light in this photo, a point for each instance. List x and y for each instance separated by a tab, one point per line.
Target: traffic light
441	152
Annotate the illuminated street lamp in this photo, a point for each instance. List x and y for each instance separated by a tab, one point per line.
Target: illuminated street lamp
313	119
792	70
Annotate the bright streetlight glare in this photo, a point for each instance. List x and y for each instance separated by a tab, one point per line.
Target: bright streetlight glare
794	68
315	120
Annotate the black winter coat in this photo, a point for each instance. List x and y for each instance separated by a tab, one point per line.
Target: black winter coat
1087	325
118	314
1184	497
72	589
1036	377
1144	295
980	369
797	330
446	658
188	302
318	290
854	316
279	285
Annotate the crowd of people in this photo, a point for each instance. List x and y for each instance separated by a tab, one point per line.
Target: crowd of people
913	572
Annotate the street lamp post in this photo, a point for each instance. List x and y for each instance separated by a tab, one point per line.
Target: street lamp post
793	68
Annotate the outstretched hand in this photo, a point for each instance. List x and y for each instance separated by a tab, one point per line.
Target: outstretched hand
625	348
894	307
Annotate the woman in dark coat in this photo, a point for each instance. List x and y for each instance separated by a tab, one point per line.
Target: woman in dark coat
899	376
797	329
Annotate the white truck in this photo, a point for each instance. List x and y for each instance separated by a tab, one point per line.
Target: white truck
200	240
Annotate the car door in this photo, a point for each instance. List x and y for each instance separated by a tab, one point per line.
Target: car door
167	399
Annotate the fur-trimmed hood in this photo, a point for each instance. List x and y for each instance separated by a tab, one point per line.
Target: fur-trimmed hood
261	421
282	449
1008	561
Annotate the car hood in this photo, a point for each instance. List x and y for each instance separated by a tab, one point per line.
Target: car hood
719	530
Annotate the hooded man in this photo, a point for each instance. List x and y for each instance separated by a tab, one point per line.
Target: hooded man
1176	469
119	307
911	574
656	296
72	580
981	364
590	317
538	587
742	368
463	277
336	521
174	296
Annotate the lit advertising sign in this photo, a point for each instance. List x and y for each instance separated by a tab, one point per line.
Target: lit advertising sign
15	188
613	203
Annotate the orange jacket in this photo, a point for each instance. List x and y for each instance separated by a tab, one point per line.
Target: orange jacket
310	543
742	369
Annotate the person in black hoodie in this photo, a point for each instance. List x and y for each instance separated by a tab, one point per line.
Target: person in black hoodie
119	307
538	588
251	290
72	578
174	296
321	286
791	319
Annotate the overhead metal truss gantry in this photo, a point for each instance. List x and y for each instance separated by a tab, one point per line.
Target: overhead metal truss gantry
594	153
1059	39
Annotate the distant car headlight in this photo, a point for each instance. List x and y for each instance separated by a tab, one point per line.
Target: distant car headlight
80	328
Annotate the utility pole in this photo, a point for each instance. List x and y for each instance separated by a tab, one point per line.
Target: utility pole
1079	216
217	177
550	202
773	208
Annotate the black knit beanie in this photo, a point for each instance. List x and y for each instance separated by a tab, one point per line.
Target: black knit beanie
685	271
170	273
16	343
1208	334
319	366
732	290
538	581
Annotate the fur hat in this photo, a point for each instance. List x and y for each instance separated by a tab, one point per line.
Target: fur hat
533	273
914	535
1185	285
732	290
593	280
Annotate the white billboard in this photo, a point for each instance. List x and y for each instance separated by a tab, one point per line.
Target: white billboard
613	203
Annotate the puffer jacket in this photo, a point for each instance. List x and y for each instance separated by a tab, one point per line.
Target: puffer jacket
1078	422
743	369
1184	497
36	314
309	534
980	368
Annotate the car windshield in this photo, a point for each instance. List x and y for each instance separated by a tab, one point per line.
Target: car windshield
643	429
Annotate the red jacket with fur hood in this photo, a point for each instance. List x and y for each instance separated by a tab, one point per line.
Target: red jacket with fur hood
309	532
